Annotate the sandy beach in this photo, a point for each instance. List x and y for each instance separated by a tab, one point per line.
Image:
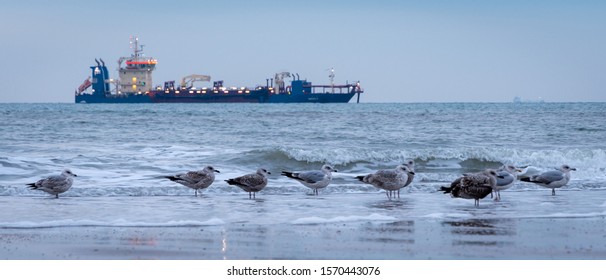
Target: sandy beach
374	229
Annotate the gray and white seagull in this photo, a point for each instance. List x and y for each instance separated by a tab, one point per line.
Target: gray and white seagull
411	175
55	184
552	179
506	176
197	180
390	180
251	183
314	180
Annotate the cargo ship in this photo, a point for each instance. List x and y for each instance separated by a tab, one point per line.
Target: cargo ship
134	85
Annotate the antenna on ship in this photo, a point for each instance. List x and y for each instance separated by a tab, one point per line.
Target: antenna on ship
134	40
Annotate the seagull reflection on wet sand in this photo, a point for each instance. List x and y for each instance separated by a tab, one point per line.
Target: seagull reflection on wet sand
481	232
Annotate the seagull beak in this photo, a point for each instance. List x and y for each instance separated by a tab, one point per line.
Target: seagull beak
217	171
573	169
334	170
411	173
268	172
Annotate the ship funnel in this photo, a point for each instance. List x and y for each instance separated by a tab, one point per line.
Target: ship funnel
98	64
102	62
298	77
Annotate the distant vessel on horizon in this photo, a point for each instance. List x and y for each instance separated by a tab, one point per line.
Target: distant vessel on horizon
134	85
518	99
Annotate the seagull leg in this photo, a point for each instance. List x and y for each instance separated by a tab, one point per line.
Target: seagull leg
552	191
57	195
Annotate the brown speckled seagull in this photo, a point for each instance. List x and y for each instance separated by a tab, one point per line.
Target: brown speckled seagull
55	184
473	186
251	183
197	180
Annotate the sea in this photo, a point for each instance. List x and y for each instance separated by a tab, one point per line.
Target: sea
121	153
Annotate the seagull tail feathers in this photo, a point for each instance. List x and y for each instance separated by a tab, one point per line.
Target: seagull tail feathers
446	189
172	178
232	182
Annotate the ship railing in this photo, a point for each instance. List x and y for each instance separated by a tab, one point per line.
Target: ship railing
333	89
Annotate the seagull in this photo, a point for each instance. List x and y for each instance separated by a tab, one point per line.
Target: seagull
551	179
476	185
390	180
200	179
314	180
251	183
411	175
55	184
506	176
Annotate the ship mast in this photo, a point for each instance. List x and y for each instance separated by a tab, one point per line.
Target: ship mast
136	43
331	76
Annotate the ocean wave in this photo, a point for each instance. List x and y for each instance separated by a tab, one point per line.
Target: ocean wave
590	164
345	156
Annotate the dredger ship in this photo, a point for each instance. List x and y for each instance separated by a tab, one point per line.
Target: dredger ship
134	85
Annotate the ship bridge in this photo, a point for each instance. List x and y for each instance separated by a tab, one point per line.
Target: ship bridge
136	75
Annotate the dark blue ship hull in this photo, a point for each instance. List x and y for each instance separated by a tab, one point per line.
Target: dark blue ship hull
121	98
253	97
311	98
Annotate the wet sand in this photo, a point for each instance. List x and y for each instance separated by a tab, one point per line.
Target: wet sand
418	238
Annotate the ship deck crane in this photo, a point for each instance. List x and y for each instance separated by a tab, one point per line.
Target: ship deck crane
194	78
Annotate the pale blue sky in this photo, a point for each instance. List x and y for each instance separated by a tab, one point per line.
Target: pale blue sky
401	51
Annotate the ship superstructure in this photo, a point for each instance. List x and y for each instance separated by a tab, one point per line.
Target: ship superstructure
136	74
